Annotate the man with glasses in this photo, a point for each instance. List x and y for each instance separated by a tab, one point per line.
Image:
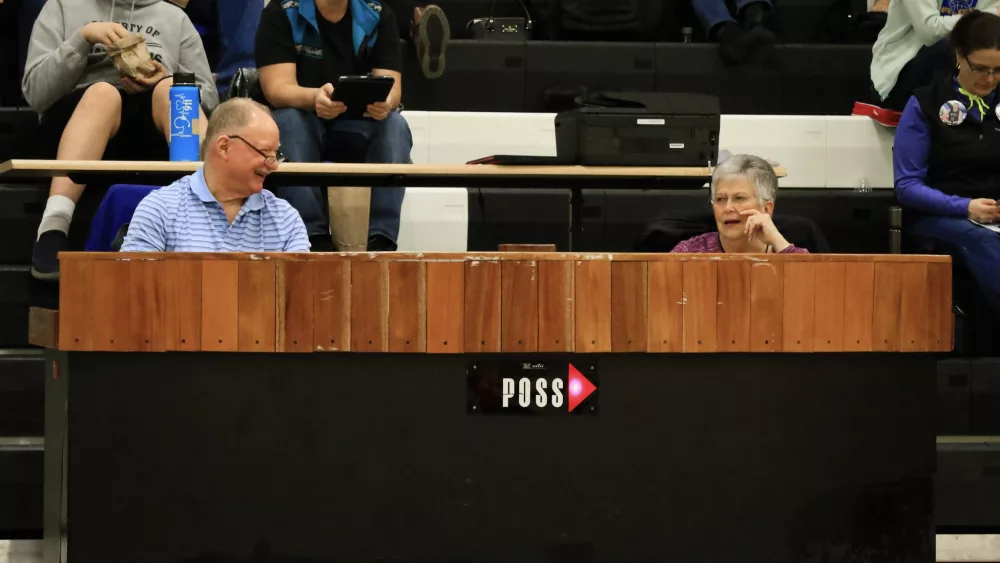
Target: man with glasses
223	207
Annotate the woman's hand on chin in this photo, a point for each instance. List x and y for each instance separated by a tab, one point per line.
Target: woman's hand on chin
760	227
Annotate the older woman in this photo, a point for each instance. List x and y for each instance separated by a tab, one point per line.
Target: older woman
744	188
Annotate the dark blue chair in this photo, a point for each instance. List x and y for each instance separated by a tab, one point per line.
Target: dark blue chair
113	216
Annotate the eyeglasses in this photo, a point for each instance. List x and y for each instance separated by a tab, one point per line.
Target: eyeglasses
739	200
269	159
981	70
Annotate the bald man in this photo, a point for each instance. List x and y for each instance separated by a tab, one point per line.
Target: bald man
223	207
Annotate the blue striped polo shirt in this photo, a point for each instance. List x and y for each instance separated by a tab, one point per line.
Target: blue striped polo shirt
185	217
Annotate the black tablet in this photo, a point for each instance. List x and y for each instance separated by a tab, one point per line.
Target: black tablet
356	92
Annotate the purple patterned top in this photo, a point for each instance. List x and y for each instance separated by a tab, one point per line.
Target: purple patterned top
710	243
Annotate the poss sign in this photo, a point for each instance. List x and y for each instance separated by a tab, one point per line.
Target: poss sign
531	387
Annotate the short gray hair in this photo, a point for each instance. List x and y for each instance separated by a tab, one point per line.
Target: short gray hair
753	168
229	118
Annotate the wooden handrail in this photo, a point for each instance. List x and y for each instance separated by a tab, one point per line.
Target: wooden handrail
504	302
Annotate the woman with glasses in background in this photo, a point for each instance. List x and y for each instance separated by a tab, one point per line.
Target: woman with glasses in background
743	189
946	158
912	48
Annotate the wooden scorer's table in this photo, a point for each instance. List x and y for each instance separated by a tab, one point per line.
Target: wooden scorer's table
327	407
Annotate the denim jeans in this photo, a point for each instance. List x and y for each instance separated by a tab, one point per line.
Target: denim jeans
979	248
306	138
238	21
713	12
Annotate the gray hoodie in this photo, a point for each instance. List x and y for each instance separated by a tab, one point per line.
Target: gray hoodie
60	60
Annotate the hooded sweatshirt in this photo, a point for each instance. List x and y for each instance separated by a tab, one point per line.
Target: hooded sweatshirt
60	60
910	25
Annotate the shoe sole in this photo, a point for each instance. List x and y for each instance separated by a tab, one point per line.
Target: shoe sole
433	35
42	276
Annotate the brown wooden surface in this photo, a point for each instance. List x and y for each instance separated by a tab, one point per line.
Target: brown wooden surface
628	307
49	168
767	306
370	307
519	306
512	303
555	306
407	306
43	327
701	304
593	306
733	315
332	307
445	307
665	306
482	306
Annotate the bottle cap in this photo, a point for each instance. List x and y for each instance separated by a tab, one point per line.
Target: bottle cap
184	79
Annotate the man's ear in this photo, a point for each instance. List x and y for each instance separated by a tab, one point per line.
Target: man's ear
769	207
222	145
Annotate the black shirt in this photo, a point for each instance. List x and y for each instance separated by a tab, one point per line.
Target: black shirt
274	45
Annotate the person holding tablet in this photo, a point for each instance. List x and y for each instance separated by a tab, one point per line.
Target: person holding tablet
302	50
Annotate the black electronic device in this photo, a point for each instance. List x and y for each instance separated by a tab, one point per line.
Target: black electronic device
357	92
640	130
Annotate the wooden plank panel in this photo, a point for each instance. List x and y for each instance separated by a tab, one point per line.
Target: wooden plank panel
859	283
593	306
148	304
183	316
408	306
220	312
332	305
295	292
43	327
701	283
831	295
665	306
76	305
940	329
370	307
887	303
555	306
257	307
628	307
799	307
913	317
482	306
519	306
767	302
112	320
445	307
733	314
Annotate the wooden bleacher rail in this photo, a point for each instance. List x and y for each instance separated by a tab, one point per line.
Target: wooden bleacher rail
504	302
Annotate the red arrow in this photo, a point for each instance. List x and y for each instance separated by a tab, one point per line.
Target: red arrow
579	387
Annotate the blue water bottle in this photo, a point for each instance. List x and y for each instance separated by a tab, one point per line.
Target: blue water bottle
184	103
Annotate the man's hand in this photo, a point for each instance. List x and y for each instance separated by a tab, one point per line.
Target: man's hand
105	33
984	211
378	111
142	83
325	107
759	226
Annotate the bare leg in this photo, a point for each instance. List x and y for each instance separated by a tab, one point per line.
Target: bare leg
161	111
94	122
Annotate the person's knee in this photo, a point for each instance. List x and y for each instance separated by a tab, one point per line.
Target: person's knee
397	127
293	120
101	97
297	127
161	92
